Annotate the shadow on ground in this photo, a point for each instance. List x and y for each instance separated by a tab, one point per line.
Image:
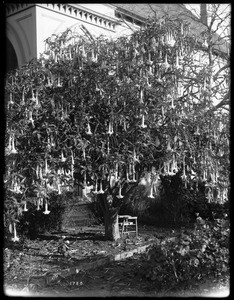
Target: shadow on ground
92	236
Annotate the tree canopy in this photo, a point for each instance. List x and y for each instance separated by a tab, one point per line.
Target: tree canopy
113	113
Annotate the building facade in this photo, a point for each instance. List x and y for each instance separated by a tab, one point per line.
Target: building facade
29	25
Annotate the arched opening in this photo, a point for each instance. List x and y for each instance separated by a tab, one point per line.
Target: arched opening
11	58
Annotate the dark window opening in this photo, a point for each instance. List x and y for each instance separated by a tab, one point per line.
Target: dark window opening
118	15
138	23
11	58
128	19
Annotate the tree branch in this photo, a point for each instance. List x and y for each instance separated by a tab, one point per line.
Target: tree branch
126	23
155	13
220	70
87	33
222	103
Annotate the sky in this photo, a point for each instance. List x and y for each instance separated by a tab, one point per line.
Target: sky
224	29
195	8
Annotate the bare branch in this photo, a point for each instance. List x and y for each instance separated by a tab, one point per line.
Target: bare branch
218	26
220	70
213	15
126	23
155	13
87	33
221	104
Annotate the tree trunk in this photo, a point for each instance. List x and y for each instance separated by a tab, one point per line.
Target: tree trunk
203	13
111	225
110	214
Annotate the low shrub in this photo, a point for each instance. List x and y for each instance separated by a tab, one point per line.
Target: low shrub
193	255
34	222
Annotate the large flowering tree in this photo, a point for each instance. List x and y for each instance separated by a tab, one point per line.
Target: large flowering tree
112	115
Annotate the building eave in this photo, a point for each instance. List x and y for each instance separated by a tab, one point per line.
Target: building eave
76	11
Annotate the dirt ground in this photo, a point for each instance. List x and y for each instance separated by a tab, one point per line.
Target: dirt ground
41	267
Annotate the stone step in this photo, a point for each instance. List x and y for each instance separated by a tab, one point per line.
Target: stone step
77	215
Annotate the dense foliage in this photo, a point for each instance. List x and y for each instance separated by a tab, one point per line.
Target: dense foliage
176	205
194	255
33	220
107	115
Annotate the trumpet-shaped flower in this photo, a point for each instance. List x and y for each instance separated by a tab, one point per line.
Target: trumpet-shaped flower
9	148
46	167
172	103
141	96
148	83
40	173
59	82
11	101
37	171
23	98
177	64
59	189
108	148
169	146
68	173
150	71
100	189
170	169
63	159
30	117
143	125
127	177
166	168
72	171
135	158
157	141
13	150
154	43
133	174
46	212
72	159
38	204
170	40
184	176
89	129
166	64
120	196
36	99
197	132
116	172
125	125
110	130
15	238
25	206
151	192
205	44
94	57
95	191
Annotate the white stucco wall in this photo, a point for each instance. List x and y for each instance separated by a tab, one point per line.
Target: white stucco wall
102	9
21	31
28	27
50	22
